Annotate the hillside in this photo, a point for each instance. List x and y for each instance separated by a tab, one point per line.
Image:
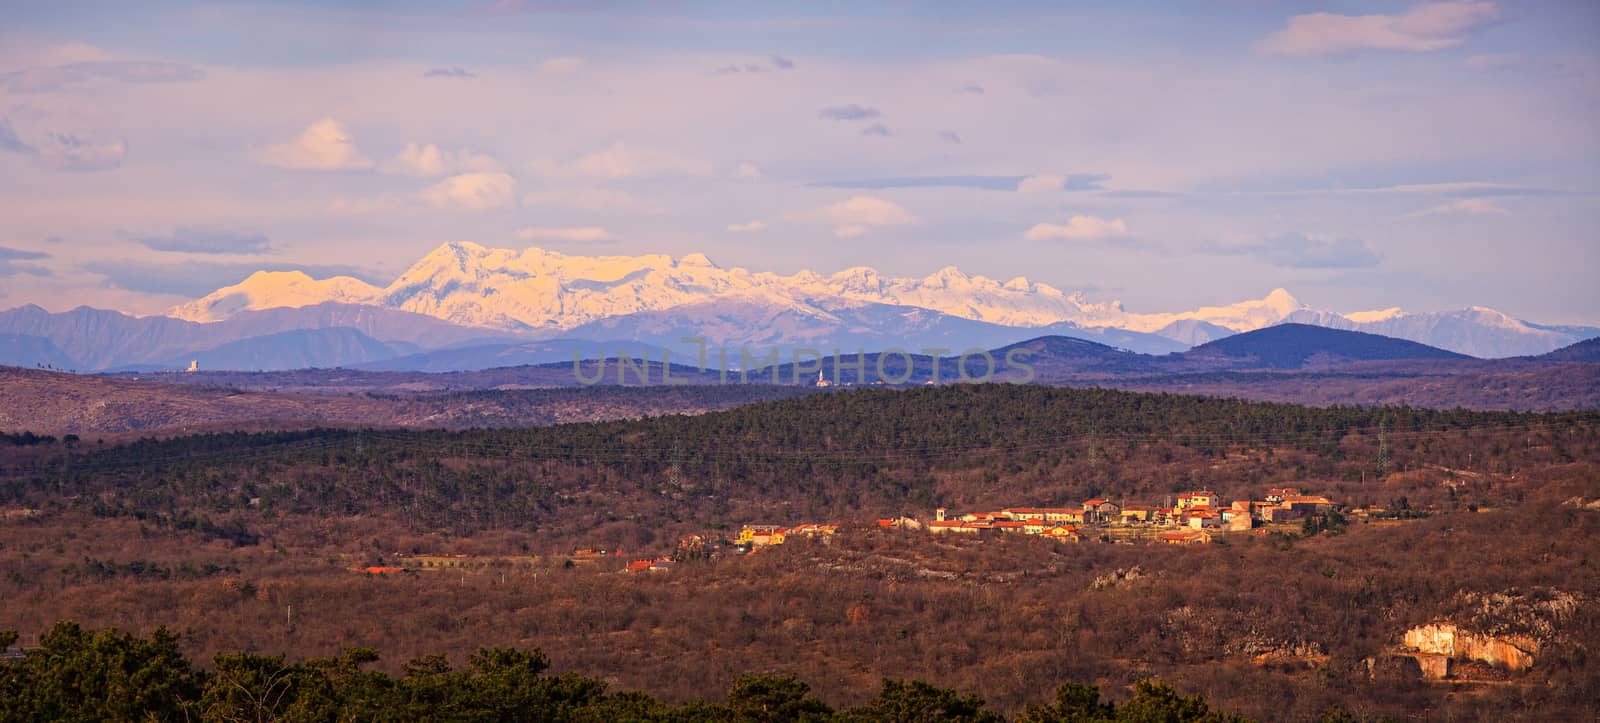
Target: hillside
295	542
1297	346
1583	351
56	403
300	349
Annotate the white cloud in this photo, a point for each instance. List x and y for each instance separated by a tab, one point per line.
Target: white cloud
1041	182
1078	228
429	160
1424	28
747	170
323	146
858	215
578	234
1463	207
750	227
472	192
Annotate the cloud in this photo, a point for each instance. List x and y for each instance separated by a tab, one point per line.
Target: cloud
749	227
579	234
1309	251
1041	183
877	129
971	89
426	161
950	137
65	151
779	63
747	170
195	279
9	140
10	266
858	215
11	254
1085	182
850	112
1454	189
56	77
565	64
1139	193
1424	28
324	145
1462	207
1078	228
188	239
475	192
454	71
986	183
621	161
472	192
69	152
1056	182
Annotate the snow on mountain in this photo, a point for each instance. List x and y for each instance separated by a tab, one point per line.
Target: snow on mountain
543	294
535	289
275	289
1477	331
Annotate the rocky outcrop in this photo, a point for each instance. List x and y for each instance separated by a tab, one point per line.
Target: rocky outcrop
1505	629
1445	640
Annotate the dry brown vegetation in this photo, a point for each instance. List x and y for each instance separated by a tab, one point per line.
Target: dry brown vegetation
245	542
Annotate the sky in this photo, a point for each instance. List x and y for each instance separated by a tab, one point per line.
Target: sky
1364	155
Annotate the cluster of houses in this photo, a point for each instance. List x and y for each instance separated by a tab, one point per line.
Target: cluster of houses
1194	515
750	539
754	537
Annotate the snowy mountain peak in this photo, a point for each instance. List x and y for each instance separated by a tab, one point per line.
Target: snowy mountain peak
946	276
274	289
1282	302
697	260
1367	317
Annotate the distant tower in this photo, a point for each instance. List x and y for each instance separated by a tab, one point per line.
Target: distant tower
822	381
194	365
938	514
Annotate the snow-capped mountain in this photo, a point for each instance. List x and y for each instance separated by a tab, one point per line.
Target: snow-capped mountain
545	294
276	290
535	289
1476	331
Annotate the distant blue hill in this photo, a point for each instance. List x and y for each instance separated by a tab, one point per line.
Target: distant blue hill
1583	351
23	350
1295	346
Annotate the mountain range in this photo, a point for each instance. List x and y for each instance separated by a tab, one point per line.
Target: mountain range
1293	363
466	306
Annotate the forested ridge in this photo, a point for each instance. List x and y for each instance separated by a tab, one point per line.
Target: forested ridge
856	453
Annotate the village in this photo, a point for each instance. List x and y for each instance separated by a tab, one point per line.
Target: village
1194	517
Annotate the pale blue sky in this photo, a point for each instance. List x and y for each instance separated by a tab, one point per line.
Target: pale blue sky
1363	154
